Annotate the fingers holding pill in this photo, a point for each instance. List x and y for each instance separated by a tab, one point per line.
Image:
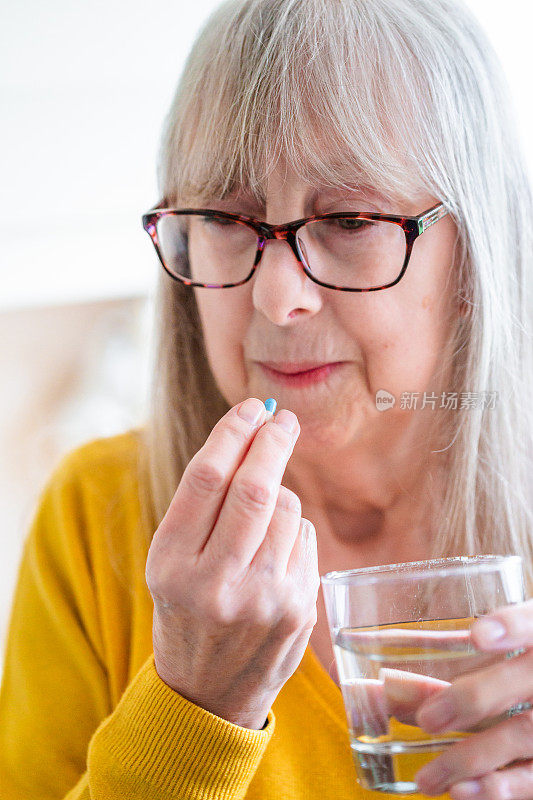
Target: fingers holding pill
233	571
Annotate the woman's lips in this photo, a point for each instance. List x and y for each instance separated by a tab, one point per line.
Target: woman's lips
304	378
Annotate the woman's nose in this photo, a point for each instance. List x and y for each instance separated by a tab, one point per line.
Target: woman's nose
281	289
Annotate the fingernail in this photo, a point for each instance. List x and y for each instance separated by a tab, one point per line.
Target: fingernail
436	715
251	410
466	790
489	631
399	687
286	420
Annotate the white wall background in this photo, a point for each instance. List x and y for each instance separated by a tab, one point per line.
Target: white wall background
84	88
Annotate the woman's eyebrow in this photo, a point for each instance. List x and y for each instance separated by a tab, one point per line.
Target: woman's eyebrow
359	195
371	193
318	198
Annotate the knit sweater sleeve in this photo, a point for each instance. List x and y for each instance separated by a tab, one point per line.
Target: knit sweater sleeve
60	737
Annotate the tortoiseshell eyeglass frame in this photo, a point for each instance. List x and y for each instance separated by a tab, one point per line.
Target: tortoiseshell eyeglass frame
413	227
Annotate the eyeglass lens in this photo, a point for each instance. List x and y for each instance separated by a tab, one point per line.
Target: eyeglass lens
345	252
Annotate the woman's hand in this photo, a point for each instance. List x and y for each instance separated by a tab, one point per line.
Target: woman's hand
233	572
481	766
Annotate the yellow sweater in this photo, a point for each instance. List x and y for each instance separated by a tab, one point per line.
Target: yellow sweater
83	712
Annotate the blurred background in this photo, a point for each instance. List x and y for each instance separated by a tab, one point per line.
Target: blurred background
84	89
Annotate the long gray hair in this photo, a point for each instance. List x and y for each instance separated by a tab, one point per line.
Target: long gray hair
403	95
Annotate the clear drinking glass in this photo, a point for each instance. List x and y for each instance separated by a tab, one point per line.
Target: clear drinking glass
400	633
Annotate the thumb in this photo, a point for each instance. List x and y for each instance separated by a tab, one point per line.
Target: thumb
406	691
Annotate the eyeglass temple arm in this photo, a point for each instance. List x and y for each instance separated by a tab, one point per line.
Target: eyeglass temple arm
430	217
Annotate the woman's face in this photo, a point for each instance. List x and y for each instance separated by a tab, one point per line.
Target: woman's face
390	340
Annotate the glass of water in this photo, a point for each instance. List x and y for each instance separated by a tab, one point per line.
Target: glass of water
401	633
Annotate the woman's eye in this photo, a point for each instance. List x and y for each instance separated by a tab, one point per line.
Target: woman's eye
348	224
218	221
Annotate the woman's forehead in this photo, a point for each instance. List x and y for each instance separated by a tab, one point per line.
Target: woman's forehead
317	175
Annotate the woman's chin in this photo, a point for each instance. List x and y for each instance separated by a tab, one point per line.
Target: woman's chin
331	418
321	431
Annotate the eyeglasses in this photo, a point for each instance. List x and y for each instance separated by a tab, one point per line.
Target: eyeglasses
354	251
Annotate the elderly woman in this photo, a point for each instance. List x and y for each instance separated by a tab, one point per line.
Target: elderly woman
345	226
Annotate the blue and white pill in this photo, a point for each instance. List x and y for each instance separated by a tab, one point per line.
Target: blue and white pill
270	406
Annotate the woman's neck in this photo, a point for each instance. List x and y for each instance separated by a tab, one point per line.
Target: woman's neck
366	530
